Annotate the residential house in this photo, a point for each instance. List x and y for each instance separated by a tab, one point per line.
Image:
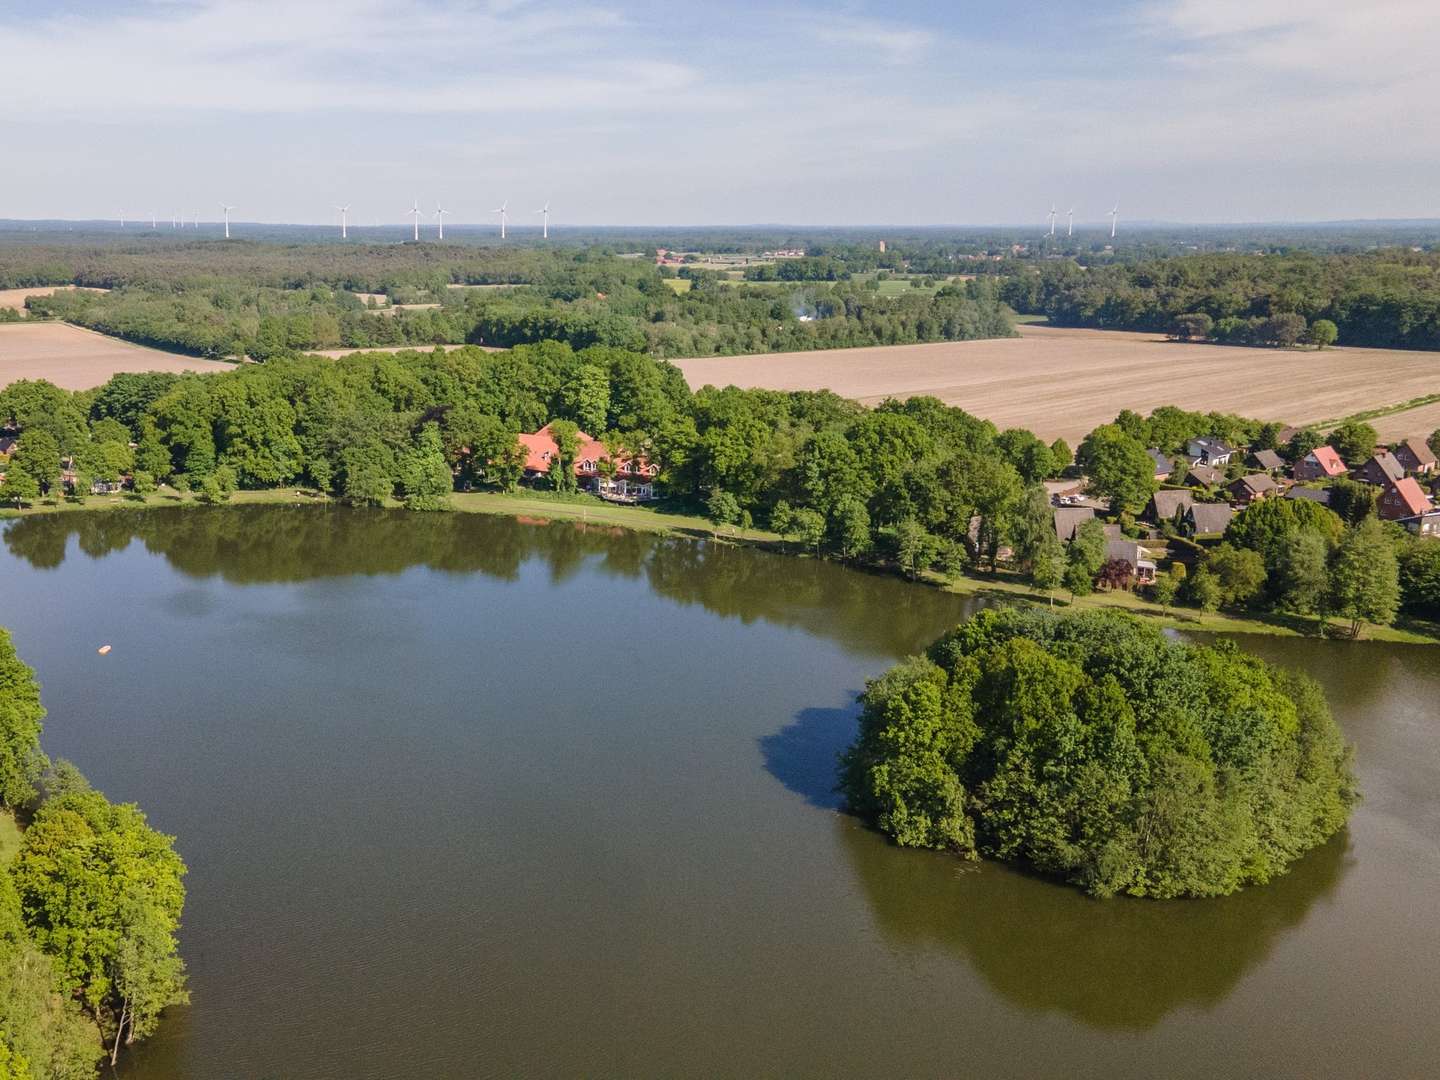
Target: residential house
1128	551
7	445
1382	467
1426	524
1268	460
634	479
1319	495
1206	450
1404	498
1254	487
1068	520
1205	476
1285	434
1413	454
1163	465
1168	506
1322	463
1207	519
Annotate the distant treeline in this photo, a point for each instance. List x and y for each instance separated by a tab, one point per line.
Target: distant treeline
267	302
1387	299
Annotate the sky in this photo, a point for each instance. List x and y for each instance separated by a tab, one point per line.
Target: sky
634	112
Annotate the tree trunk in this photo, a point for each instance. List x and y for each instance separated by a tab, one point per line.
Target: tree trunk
119	1030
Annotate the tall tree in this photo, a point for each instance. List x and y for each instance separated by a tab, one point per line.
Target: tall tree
21	719
1118	467
1365	577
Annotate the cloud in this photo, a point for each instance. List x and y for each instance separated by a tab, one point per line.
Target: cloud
890	41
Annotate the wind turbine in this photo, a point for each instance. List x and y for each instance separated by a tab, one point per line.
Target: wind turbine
1070	222
152	220
1052	219
440	213
415	213
1114	216
344	210
226	211
501	211
544	213
122	217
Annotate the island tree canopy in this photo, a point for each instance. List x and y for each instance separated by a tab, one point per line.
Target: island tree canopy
1096	749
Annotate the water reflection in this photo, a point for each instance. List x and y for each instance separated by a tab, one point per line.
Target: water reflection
802	755
1116	964
268	544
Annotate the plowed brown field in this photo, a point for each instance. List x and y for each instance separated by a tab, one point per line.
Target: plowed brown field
1061	383
78	359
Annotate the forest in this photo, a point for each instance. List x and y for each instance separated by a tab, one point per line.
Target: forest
1096	749
265	301
1388	299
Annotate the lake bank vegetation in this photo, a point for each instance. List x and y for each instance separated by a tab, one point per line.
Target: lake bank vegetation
1094	749
924	488
90	902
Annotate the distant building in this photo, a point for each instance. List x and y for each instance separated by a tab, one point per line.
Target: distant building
1163	465
1068	520
1204	476
1208	519
1254	487
1206	450
1319	495
1382	467
1404	498
1268	460
633	481
1128	551
1169	506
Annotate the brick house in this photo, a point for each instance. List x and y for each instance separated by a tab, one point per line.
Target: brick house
1322	463
1404	498
634	479
1416	457
1382	467
1254	487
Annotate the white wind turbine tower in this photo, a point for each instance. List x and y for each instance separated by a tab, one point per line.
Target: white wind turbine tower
1052	219
415	214
344	231
544	213
440	213
121	213
226	211
501	211
1114	216
1070	222
152	220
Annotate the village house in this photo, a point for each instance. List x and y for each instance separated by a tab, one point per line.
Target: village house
1206	476
1068	520
1254	487
1382	467
1414	457
1168	506
1319	495
634	479
1207	519
1268	460
1404	498
1322	463
1206	450
1163	465
1128	551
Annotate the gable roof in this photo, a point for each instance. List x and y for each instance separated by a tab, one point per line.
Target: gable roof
1387	464
1168	503
1211	445
1268	459
1418	451
541	447
1128	551
1209	517
1068	519
1205	474
1319	495
1328	458
1411	495
1256	483
1163	465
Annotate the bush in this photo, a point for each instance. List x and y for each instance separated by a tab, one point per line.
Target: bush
1094	748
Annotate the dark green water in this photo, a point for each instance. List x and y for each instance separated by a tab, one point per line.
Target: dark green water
463	796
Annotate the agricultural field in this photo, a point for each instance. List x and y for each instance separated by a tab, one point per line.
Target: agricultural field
78	359
15	298
1061	383
1421	421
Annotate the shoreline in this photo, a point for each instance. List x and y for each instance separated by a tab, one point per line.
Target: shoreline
540	507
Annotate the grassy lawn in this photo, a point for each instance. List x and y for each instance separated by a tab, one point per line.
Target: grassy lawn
681	285
658	518
1027	320
9	837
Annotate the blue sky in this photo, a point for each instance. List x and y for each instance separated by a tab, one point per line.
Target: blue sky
665	113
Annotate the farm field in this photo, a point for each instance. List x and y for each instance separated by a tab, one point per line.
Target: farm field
336	353
1420	421
1062	383
15	298
78	359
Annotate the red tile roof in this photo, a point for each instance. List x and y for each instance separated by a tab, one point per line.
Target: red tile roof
1328	459
1406	494
541	448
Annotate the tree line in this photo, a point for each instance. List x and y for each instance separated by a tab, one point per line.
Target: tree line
89	907
1385	299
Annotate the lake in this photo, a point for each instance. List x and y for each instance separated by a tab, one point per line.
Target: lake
463	796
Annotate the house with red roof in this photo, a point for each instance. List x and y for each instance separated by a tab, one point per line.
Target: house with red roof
1322	463
633	479
1403	500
